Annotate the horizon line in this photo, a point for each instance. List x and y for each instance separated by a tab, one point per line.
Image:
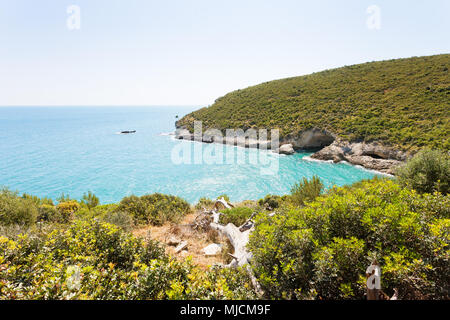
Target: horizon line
101	105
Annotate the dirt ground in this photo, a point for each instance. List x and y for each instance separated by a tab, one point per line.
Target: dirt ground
197	240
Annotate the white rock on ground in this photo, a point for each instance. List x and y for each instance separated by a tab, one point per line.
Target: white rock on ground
212	249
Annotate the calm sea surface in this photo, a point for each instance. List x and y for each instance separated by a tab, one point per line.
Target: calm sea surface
46	151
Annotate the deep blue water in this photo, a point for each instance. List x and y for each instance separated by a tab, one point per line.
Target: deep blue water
51	150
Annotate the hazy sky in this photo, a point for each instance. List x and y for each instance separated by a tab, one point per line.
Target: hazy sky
190	52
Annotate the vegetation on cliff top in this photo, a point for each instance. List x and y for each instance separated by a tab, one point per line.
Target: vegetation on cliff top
404	103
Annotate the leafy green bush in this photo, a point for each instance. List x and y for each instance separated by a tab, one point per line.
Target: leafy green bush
105	257
237	216
334	274
324	248
17	210
306	190
98	212
428	171
215	284
67	209
270	201
49	213
204	203
155	208
121	219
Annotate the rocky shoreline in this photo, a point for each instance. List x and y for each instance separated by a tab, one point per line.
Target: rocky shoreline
372	155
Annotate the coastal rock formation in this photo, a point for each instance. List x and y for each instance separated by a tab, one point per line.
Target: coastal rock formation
369	155
286	149
373	155
238	140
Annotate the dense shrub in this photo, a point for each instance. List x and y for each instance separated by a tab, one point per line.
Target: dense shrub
68	209
155	208
270	201
121	219
204	203
237	216
428	171
107	213
98	212
49	213
17	210
216	283
306	190
324	248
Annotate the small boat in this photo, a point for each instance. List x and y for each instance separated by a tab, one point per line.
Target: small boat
126	132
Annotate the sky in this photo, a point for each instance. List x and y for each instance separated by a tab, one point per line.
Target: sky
190	52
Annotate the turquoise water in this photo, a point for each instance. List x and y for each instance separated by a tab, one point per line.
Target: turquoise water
51	150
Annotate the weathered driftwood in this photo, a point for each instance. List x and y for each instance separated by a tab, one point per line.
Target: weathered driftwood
223	202
238	237
238	240
181	246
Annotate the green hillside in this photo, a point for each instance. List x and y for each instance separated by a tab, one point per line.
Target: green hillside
403	103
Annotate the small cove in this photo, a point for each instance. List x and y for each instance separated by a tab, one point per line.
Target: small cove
46	151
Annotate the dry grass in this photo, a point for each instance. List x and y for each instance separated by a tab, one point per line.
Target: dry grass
196	240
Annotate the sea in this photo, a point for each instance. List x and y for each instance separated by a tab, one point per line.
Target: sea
48	151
